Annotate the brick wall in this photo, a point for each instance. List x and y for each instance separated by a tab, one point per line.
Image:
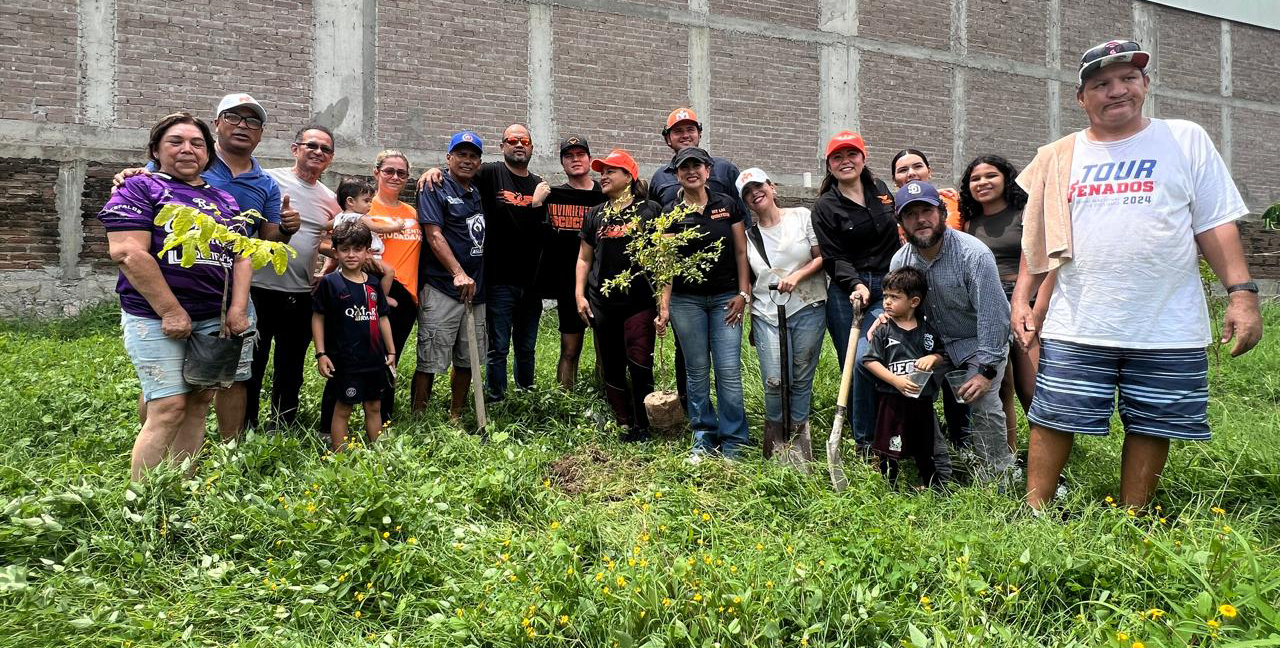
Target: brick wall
1014	30
1188	51
448	66
38	61
187	55
28	216
906	103
926	23
624	104
764	103
1004	115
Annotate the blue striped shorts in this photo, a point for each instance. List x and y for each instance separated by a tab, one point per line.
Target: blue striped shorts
1162	392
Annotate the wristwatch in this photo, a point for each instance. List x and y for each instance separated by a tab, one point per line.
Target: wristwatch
987	371
743	294
1248	285
320	354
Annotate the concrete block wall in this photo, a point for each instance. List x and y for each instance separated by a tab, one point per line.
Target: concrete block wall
772	79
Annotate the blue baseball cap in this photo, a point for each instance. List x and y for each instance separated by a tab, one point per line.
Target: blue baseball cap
466	137
916	191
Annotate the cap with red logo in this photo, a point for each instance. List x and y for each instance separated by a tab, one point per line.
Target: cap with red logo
1111	53
465	138
681	115
237	99
846	139
618	158
753	175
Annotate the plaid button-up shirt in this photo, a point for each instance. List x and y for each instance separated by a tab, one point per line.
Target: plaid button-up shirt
966	302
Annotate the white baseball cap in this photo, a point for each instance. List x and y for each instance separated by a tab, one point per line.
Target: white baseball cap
237	99
754	174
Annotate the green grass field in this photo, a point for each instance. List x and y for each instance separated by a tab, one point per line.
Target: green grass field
554	534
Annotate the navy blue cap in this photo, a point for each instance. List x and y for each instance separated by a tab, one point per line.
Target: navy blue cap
466	137
691	153
916	191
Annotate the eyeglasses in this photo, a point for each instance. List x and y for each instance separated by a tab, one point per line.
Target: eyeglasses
399	173
312	146
251	123
512	141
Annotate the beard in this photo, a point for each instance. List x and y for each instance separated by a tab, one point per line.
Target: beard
922	242
517	160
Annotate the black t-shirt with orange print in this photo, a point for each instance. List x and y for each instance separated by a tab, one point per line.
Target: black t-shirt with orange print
608	235
513	226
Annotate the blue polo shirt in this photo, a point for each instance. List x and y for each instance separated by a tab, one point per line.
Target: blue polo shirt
252	189
724	179
459	214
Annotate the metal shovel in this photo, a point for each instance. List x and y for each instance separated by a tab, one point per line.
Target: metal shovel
835	466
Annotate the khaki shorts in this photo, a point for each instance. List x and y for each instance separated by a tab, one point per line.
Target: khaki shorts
442	338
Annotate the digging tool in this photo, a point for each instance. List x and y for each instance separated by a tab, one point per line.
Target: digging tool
787	452
477	390
835	466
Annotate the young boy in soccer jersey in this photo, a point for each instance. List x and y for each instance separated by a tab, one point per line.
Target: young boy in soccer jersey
355	196
352	333
900	347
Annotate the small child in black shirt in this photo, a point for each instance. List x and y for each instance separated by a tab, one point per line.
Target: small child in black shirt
351	333
902	347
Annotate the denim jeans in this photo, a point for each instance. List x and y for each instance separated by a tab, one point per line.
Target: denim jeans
862	401
805	330
512	313
707	339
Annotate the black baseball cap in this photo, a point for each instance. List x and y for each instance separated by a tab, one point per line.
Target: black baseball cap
1112	52
572	141
690	153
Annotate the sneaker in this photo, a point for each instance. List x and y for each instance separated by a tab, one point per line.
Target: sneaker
1062	490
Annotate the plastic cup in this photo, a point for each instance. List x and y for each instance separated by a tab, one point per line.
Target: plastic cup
956	379
920	378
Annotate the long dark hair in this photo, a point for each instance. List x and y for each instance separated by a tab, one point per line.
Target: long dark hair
1016	198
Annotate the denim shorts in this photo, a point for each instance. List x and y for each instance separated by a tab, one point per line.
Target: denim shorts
158	358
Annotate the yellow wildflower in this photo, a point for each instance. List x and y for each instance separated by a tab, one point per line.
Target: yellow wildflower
657	495
1227	610
1212	623
622	581
564	619
386	534
413	540
1155	613
706	517
1218	511
697	597
666	602
555	525
1139	644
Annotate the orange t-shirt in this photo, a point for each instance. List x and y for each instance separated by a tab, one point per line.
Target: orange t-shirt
401	249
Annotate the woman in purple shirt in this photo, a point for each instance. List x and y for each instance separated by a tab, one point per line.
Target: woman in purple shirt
162	303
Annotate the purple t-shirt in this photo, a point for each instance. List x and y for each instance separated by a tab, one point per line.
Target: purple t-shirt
134	207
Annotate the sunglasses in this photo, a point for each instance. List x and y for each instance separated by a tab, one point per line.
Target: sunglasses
513	141
399	173
251	123
313	146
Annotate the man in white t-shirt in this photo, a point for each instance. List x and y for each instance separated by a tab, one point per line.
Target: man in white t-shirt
1128	312
284	301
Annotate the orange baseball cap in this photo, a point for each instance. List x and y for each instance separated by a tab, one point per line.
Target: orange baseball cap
846	139
619	158
682	114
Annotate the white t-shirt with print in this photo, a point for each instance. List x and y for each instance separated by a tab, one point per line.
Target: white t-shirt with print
789	246
1136	205
316	205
